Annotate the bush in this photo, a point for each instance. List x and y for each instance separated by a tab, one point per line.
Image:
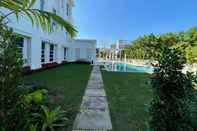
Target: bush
172	93
37	97
22	108
37	115
10	80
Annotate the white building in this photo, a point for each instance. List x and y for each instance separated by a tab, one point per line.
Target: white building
119	48
120	44
40	47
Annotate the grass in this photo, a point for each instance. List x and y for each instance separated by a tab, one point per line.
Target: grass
66	85
128	94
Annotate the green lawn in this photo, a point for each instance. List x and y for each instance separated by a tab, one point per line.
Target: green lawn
127	93
66	85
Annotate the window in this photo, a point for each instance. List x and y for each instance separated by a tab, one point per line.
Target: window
65	53
20	44
54	23
42	4
51	53
43	52
62	3
67	9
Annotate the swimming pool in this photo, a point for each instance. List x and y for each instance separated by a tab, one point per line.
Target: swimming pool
123	67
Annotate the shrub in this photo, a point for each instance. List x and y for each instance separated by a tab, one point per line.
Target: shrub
172	93
52	119
38	97
35	114
10	80
21	108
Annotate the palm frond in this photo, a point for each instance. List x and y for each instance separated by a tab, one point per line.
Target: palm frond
42	18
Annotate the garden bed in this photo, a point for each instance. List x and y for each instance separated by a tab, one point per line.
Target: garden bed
66	85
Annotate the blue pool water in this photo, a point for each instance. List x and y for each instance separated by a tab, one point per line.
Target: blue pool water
122	67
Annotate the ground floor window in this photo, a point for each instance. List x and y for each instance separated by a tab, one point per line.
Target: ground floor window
48	51
24	48
65	53
51	53
20	44
43	52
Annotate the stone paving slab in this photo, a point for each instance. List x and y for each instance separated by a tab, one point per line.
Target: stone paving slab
96	79
95	85
95	92
97	103
93	119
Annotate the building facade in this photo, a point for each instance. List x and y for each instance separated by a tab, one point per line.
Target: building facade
39	47
120	44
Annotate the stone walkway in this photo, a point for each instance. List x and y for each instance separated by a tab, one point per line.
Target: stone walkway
94	112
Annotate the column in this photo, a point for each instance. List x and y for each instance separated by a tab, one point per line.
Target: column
35	53
25	51
59	53
47	52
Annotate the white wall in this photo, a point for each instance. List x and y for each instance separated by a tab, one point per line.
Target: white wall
59	37
87	49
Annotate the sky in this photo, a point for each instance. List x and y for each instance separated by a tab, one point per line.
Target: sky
110	20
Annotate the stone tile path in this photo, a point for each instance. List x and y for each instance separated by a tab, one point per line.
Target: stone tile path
94	112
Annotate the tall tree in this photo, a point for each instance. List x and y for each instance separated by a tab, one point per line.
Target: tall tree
172	92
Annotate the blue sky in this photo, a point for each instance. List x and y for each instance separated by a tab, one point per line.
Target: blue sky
109	20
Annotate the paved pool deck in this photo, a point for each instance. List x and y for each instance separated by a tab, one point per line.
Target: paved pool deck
94	112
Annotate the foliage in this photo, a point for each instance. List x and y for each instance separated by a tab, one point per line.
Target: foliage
19	104
172	93
52	119
33	128
10	72
39	17
38	96
146	47
35	115
42	118
66	93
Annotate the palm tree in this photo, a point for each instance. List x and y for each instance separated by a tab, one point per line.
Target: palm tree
37	17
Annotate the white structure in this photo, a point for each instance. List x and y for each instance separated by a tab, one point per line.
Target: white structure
40	47
119	47
120	44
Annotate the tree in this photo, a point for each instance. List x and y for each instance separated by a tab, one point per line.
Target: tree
36	16
147	46
10	75
172	92
143	47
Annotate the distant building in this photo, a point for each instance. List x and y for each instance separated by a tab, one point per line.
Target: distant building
120	44
119	48
40	48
